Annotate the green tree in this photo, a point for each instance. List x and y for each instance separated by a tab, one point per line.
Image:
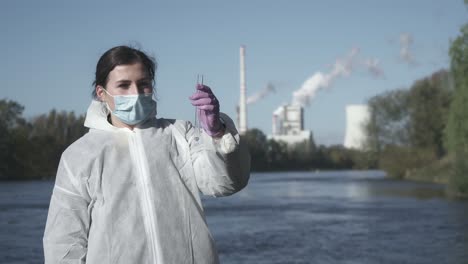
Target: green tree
277	155
50	135
389	121
10	118
406	128
457	129
340	157
32	149
429	104
257	144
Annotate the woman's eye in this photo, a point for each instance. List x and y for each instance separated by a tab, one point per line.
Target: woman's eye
147	90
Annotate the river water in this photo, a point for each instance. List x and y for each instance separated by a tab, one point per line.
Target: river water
297	217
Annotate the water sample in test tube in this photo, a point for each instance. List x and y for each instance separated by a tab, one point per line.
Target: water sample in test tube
196	123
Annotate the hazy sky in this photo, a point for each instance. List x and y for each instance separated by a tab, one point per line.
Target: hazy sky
50	49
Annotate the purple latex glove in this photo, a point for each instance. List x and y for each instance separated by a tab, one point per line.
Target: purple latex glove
208	110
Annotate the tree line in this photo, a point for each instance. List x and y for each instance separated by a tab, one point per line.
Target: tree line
270	155
421	133
406	129
31	149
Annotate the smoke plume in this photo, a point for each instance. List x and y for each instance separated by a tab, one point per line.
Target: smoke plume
342	67
373	67
261	94
406	55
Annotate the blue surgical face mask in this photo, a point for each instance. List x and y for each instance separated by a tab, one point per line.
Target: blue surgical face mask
133	109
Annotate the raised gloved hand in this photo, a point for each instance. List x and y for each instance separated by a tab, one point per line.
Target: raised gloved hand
208	110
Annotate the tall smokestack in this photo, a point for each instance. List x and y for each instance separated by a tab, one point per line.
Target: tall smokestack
237	116
242	101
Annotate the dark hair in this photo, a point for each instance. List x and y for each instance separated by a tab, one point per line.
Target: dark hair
121	55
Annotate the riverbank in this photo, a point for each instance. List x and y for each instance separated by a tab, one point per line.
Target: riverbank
437	172
441	172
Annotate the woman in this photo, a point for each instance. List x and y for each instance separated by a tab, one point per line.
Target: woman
128	190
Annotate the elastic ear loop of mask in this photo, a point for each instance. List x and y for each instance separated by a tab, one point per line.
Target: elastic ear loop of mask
107	105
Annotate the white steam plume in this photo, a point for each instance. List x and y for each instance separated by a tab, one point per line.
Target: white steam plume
406	41
373	67
261	94
342	67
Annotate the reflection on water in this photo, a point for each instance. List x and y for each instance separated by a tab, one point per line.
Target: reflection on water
324	217
359	185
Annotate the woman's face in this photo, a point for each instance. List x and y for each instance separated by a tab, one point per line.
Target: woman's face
125	80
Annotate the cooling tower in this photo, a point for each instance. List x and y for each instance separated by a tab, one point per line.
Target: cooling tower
356	118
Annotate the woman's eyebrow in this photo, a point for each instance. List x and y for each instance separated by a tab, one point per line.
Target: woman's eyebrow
146	79
123	81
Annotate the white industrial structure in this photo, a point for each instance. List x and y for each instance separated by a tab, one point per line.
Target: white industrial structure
242	101
288	125
357	117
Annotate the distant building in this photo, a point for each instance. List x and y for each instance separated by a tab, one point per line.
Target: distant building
288	126
356	118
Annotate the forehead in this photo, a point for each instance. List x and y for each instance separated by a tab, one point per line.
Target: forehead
128	72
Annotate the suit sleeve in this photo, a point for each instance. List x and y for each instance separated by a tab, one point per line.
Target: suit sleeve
221	165
66	233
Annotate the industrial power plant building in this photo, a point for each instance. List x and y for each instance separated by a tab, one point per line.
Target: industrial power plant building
288	126
288	120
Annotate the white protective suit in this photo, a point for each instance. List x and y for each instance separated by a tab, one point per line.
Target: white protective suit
124	196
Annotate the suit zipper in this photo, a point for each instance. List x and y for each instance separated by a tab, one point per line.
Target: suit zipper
142	166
